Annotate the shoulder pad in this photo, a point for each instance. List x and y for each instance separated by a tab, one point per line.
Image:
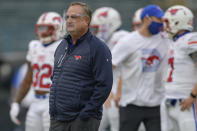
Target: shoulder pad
192	39
34	43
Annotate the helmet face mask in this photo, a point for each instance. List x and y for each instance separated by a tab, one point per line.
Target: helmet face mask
94	29
49	27
104	32
105	21
44	31
178	18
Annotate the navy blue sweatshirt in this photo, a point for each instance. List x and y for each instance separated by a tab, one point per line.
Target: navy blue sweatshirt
82	78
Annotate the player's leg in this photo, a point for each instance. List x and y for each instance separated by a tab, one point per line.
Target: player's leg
188	119
33	119
141	127
105	120
175	126
113	113
130	118
46	121
168	115
152	119
174	113
45	114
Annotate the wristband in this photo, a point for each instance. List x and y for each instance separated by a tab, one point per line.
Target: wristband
192	95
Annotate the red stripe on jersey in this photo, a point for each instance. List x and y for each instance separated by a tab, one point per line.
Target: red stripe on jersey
192	42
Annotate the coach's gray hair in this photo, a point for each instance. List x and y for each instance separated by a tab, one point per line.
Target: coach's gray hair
86	8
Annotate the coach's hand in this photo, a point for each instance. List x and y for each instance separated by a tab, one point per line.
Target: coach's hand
14	111
187	103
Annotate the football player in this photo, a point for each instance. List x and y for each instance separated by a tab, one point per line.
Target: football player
105	24
136	20
40	64
178	109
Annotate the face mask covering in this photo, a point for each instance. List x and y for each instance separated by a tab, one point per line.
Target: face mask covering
155	27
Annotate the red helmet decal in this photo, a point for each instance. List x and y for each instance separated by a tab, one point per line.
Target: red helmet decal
57	18
44	17
173	11
103	14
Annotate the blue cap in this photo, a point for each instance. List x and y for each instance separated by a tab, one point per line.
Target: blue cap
152	10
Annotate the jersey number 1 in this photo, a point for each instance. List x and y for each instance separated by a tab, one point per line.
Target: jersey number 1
171	63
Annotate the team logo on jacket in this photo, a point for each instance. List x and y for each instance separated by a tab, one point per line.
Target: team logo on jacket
77	57
150	60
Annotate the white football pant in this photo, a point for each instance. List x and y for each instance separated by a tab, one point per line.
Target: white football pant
141	127
182	120
110	118
38	118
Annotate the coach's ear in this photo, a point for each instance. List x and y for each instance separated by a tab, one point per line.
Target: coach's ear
87	19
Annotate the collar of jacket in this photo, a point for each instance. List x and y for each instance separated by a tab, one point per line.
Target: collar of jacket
86	35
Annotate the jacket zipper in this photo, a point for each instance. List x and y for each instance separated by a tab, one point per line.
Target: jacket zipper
62	58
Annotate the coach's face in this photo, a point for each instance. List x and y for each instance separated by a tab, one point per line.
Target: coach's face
76	20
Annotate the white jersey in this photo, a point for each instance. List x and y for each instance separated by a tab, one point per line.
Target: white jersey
111	43
182	71
42	61
115	38
142	61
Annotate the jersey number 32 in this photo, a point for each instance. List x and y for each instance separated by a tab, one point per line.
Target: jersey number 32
39	77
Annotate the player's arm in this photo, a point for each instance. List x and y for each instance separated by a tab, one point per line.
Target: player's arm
119	91
120	52
25	85
194	58
20	94
116	96
107	103
187	103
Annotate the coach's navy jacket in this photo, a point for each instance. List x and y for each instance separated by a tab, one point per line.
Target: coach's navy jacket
81	80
